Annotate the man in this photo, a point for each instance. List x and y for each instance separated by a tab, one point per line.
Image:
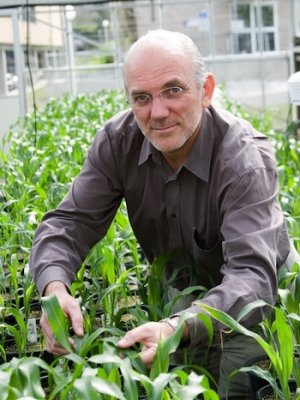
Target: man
195	179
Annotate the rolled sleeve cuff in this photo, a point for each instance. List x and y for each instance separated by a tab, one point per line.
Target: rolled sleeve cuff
51	274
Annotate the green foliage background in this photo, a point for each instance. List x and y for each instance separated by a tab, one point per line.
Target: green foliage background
46	152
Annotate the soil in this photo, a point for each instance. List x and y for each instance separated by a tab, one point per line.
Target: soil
30	348
130	301
264	364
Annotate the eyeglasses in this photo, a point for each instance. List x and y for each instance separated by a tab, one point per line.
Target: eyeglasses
172	93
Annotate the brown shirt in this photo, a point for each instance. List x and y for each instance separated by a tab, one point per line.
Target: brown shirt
219	211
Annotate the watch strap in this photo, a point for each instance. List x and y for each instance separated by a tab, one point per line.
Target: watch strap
172	322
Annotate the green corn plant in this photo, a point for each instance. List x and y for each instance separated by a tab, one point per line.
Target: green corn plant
159	385
153	289
16	331
124	239
109	258
128	300
15	293
86	289
280	350
152	292
60	327
289	303
25	380
22	381
289	300
21	378
29	291
77	352
36	177
191	386
57	320
89	387
118	366
2	352
120	373
74	369
108	299
111	301
164	349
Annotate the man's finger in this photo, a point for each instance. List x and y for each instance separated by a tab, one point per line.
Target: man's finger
130	338
76	318
54	347
147	356
125	342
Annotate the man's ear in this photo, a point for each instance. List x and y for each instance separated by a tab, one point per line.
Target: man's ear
208	90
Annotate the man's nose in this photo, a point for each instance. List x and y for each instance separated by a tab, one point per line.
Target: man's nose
159	107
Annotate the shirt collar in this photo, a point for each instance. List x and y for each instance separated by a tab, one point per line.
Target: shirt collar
199	159
148	150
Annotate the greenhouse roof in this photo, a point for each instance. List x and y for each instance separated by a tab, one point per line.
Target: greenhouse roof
20	3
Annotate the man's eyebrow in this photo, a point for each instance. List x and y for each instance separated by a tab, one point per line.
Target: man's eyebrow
137	91
168	84
173	82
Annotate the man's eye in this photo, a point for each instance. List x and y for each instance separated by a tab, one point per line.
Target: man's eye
173	91
141	98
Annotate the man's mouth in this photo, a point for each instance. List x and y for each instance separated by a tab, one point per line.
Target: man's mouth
163	128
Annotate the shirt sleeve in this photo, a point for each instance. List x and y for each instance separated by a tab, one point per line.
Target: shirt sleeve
66	234
252	221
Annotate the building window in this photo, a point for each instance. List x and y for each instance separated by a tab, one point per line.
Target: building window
253	27
10	61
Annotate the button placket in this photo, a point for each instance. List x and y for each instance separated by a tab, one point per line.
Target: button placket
173	215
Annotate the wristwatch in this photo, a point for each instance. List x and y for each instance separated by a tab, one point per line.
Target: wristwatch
173	322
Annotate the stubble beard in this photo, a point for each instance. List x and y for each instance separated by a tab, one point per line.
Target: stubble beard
169	144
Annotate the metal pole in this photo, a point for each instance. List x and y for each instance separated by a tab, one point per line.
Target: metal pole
19	62
3	71
160	14
117	44
258	6
211	32
70	50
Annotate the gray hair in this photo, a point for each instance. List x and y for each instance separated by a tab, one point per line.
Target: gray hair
178	40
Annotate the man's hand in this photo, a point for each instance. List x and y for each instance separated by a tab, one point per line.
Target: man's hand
148	335
72	312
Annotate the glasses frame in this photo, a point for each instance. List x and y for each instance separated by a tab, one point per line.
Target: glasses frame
167	94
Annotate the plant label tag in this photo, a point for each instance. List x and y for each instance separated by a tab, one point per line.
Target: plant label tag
32	336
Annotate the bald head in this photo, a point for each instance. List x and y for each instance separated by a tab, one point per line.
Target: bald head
173	43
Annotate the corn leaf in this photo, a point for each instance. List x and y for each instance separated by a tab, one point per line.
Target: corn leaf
89	388
57	320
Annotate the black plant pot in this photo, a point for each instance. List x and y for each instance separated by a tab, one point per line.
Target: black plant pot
36	350
257	382
264	393
267	392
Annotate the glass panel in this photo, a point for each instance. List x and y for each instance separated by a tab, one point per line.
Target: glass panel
10	61
242	13
268	41
267	16
296	12
242	43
